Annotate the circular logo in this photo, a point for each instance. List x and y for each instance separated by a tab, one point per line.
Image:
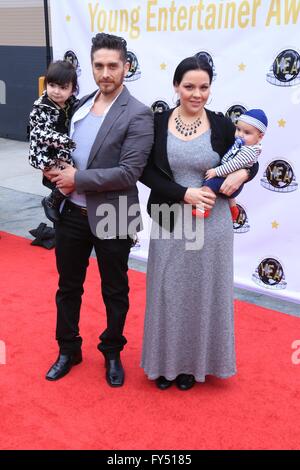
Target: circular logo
241	224
279	174
235	111
270	271
269	274
206	56
134	72
159	106
286	66
71	57
285	70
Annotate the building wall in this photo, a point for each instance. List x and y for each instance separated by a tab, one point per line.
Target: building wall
22	61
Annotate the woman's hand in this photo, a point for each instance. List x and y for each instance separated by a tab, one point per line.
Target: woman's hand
234	181
204	197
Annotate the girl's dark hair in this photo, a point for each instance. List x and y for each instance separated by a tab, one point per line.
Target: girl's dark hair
61	72
109	41
192	63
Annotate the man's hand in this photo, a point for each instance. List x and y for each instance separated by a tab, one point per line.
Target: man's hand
64	179
210	174
234	181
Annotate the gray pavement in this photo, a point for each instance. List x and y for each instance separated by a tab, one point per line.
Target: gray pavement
21	192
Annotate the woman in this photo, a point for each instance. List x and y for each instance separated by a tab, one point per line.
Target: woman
189	324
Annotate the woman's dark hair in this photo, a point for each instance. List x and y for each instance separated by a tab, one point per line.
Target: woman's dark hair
192	63
109	41
61	72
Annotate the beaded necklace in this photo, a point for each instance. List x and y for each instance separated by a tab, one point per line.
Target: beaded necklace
187	128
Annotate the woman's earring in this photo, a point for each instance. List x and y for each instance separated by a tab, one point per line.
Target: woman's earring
210	100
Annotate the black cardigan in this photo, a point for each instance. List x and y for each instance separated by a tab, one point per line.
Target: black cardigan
158	175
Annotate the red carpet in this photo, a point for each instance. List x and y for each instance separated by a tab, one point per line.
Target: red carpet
257	409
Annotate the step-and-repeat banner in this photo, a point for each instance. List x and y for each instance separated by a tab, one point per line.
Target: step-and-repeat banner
254	49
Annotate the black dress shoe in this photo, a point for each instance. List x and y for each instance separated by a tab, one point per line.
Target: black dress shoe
114	372
63	365
163	383
185	381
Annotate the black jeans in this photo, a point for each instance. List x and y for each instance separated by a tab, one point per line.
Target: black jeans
74	243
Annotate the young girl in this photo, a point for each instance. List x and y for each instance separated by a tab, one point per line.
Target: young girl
49	121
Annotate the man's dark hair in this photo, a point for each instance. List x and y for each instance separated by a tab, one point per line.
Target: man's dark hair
108	41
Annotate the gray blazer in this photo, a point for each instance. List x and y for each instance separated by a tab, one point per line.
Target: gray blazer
116	161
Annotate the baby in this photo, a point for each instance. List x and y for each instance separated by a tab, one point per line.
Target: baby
250	129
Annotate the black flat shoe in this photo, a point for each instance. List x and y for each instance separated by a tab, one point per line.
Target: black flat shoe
63	365
51	205
52	213
163	383
185	381
114	372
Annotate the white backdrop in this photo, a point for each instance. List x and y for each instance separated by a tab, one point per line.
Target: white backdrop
254	46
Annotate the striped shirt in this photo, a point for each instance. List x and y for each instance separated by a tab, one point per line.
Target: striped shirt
238	157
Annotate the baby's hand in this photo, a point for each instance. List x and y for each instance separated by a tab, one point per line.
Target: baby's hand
210	174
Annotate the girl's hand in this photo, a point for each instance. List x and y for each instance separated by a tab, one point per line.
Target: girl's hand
49	174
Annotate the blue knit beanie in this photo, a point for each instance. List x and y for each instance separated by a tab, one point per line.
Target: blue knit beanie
256	118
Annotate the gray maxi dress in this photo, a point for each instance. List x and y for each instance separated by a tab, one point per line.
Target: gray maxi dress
189	323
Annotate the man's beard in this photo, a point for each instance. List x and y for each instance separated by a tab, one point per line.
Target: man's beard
107	88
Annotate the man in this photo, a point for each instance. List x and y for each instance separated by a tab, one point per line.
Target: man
113	134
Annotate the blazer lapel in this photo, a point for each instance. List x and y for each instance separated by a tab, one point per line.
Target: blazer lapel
115	111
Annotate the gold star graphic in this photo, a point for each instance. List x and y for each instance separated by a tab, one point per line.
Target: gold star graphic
163	66
281	123
68	18
242	67
275	224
